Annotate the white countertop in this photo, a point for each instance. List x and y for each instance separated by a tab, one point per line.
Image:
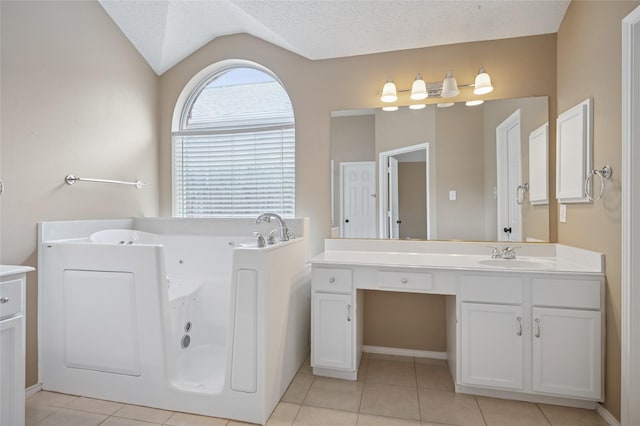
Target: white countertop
555	258
14	269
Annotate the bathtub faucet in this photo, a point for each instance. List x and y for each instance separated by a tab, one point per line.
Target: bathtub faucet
284	231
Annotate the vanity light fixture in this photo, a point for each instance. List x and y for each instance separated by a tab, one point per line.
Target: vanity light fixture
474	102
390	108
449	86
483	83
417	106
389	93
419	89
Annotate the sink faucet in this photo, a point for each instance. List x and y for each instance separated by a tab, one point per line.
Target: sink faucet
284	231
507	252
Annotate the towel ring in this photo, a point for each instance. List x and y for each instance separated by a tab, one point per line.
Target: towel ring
520	190
604	173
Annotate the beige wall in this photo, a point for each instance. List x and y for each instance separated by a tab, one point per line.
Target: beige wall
76	98
519	67
412	199
458	127
589	65
352	139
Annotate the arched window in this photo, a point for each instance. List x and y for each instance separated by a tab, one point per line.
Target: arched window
234	146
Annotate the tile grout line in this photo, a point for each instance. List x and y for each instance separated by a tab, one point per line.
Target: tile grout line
475	398
543	414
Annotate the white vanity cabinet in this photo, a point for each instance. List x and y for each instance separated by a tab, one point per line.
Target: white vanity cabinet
492	345
12	344
492	331
333	330
567	332
533	334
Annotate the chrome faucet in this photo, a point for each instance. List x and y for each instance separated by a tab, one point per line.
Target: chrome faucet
507	252
284	231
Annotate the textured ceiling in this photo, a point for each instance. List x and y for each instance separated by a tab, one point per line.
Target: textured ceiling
167	31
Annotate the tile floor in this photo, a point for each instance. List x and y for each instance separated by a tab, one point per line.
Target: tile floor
390	391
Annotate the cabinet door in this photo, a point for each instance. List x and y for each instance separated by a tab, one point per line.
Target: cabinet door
567	352
492	345
12	372
332	331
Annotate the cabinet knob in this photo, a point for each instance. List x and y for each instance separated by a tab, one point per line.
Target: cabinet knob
404	280
332	280
4	300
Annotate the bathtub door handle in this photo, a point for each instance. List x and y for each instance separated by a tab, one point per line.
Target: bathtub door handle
349	312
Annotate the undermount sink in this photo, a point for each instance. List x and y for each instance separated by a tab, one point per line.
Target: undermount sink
517	263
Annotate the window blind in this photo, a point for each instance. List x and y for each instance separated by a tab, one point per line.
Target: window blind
235	174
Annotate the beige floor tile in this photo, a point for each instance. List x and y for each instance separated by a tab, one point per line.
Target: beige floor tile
298	388
390	401
391	372
121	421
284	414
35	412
66	417
370	420
145	414
567	416
52	398
184	419
314	416
237	423
434	376
97	406
335	393
396	358
448	407
503	412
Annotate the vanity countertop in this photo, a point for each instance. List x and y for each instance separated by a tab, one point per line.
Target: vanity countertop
14	269
546	258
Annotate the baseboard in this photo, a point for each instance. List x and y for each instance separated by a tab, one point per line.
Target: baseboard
32	390
382	350
607	416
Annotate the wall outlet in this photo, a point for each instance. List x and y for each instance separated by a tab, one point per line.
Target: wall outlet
563	213
452	195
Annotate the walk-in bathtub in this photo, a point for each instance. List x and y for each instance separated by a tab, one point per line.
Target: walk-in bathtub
185	315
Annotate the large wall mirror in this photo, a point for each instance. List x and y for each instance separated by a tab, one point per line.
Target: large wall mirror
455	173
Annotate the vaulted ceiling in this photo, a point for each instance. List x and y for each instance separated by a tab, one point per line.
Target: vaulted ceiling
167	31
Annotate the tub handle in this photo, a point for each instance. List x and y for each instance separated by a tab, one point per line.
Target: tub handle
349	312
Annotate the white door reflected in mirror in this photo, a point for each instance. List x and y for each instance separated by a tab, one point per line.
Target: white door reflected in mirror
358	195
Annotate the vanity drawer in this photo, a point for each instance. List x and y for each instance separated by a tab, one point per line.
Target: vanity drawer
332	280
405	280
10	298
566	293
491	289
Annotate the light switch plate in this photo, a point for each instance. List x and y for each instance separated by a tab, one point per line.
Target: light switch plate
563	213
452	195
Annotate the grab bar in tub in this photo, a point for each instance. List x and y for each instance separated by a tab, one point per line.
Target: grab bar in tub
71	179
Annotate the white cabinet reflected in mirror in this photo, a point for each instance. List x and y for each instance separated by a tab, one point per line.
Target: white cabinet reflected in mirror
448	188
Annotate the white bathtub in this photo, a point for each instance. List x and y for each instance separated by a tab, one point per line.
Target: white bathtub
185	315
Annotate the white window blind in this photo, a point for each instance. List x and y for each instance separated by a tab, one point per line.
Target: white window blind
234	155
